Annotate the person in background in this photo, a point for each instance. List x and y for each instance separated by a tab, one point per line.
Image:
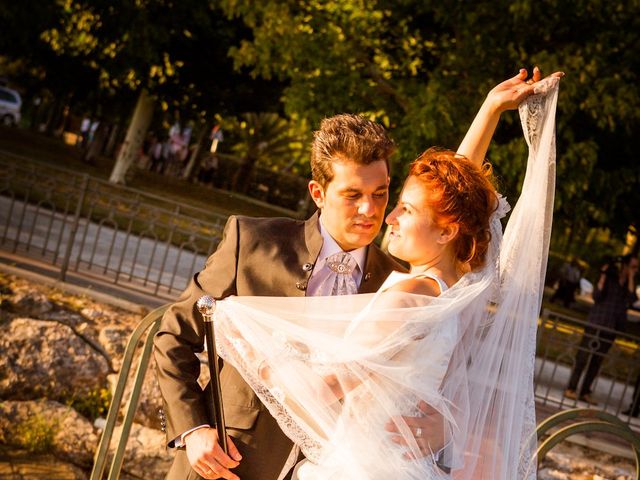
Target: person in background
568	283
85	125
634	408
613	294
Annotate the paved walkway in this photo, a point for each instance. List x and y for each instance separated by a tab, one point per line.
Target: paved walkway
99	249
612	396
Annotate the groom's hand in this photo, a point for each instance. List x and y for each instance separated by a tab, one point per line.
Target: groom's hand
428	431
207	457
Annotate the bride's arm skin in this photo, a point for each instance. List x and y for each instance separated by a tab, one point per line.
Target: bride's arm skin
504	96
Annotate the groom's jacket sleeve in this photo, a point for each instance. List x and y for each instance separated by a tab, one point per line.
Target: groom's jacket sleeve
181	336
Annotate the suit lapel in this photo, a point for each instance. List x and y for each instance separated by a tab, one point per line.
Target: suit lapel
313	243
375	272
312	236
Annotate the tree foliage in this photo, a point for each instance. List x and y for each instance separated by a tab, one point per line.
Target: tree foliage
262	138
422	69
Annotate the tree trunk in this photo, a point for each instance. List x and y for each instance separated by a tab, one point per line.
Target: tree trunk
242	177
132	144
195	155
55	111
111	142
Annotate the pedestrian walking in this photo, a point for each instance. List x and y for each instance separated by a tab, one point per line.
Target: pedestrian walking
613	294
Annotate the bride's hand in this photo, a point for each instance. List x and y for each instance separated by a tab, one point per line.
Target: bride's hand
510	93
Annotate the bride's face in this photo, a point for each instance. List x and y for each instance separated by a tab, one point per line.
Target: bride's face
415	237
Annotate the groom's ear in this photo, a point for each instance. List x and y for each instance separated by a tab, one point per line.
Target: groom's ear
448	233
317	193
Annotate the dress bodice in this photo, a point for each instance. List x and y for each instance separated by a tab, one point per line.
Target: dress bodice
397	277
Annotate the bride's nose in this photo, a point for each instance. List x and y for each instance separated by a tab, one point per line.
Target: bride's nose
392	217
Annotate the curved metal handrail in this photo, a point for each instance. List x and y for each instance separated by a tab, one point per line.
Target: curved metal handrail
151	323
586	413
596	421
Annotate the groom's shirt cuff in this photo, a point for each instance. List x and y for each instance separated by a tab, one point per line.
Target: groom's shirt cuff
443	457
178	442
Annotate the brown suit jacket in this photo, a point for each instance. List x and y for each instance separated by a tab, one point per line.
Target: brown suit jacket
259	257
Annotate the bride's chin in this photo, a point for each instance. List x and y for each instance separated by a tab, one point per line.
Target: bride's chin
395	253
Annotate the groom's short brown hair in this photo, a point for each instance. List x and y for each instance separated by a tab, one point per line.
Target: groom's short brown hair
348	138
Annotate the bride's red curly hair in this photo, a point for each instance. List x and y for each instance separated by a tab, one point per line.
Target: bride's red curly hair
459	192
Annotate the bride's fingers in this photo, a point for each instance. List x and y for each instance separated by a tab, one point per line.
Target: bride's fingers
535	83
517	79
537	74
426	408
556	74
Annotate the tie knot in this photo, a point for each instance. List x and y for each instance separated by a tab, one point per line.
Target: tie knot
342	263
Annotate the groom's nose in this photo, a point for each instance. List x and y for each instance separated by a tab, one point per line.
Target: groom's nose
367	206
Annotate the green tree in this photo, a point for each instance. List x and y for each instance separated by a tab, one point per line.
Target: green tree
423	68
260	138
172	55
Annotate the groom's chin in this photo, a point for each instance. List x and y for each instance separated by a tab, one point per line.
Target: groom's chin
362	239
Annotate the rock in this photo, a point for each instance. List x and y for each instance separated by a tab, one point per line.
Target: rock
102	315
98	315
146	455
113	340
150	400
560	461
99	423
47	359
30	302
17	464
49	426
66	317
551	474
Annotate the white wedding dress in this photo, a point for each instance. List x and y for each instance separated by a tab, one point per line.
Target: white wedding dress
334	370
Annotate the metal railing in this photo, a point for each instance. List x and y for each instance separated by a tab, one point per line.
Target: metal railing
82	224
581	420
560	338
149	324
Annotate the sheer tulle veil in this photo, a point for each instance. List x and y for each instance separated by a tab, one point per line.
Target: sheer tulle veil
469	353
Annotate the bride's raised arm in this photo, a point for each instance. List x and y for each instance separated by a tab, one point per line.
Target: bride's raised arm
504	96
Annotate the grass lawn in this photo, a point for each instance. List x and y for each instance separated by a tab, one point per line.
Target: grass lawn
54	151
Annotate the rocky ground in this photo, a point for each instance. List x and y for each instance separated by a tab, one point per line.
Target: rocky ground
60	355
572	462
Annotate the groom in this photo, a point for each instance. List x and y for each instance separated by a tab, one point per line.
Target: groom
276	257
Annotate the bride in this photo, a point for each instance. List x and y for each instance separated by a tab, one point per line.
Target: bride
457	332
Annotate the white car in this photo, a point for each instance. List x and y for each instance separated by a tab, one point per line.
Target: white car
10	106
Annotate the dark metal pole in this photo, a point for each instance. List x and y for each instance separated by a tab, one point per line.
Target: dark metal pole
207	307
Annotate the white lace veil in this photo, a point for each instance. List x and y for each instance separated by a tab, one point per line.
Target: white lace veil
334	370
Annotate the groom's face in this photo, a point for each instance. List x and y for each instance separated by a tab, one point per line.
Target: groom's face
352	204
